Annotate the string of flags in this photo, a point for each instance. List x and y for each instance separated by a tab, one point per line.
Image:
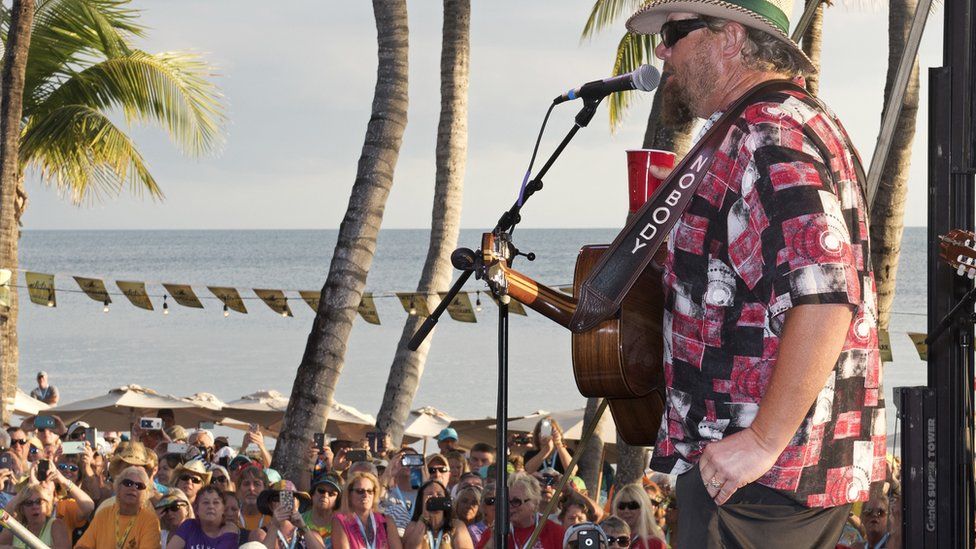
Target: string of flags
42	291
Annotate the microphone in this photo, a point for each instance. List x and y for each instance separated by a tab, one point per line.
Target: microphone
645	78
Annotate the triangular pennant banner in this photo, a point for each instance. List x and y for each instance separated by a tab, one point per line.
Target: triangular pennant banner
884	344
184	295
920	346
6	275
94	288
415	302
276	300
514	307
312	298
40	286
230	297
460	308
367	309
136	292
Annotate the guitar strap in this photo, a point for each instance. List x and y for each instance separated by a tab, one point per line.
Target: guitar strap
604	290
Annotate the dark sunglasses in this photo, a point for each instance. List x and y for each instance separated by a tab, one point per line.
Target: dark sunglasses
324	490
68	467
672	31
219	480
363	491
129	483
489	500
191	478
435	470
172	508
632	505
515	502
619	541
18	442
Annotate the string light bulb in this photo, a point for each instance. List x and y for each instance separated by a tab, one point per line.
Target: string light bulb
477	302
284	310
226	311
105	308
413	309
165	306
50	297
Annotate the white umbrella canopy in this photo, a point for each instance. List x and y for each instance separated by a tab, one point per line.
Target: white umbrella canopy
26	405
571	422
121	407
267	409
426	422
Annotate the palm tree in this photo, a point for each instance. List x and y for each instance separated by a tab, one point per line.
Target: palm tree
452	146
81	69
11	109
888	209
321	365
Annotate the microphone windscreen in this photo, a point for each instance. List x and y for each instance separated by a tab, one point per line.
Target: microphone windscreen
646	78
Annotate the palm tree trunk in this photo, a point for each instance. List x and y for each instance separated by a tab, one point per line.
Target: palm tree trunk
812	42
452	150
591	462
632	460
318	373
11	112
888	210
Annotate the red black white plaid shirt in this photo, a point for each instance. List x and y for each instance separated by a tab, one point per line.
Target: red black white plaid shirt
778	221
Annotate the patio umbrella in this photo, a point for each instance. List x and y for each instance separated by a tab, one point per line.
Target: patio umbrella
121	407
426	422
26	405
571	422
267	409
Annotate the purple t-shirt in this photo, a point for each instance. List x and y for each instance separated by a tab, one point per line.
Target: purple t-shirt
191	533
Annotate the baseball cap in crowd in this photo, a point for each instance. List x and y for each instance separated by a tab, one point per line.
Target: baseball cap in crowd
41	374
175	495
76	426
177	433
575	529
446	434
327	479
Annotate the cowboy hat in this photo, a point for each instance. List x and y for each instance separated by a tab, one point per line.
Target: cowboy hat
130	453
193	467
769	16
271	494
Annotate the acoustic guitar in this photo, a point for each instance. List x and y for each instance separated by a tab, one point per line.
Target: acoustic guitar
622	359
958	249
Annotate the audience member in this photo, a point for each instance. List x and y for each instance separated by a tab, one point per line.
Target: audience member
481	455
550	452
447	440
360	525
33	507
632	505
433	526
172	509
210	529
325	502
467	505
45	392
128	523
523	503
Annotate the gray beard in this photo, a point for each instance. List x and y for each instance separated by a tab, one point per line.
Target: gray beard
676	110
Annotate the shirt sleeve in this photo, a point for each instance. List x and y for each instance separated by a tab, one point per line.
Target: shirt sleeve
789	238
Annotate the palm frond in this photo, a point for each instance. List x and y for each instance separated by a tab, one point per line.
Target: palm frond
605	13
79	151
170	89
69	34
633	50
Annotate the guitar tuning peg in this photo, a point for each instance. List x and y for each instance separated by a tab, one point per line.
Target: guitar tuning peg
972	273
961	269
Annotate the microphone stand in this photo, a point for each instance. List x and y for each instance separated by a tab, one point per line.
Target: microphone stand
469	262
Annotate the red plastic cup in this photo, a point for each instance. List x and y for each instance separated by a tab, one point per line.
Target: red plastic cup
642	183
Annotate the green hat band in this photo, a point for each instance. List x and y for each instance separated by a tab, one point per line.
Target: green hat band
767	10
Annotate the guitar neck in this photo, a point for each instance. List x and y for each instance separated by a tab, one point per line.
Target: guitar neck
542	299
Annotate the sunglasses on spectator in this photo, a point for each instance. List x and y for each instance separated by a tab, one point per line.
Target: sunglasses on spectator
869	512
29	502
129	483
110	440
672	31
219	480
17	442
619	541
324	490
68	467
441	469
364	491
515	502
490	500
172	508
632	505
77	435
191	478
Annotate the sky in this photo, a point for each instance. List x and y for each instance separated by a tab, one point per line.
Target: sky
298	77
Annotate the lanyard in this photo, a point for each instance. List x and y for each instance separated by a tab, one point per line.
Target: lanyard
550	462
362	530
120	540
883	541
294	539
430	539
398	494
512	531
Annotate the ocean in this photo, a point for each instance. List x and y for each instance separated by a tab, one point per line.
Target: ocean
87	352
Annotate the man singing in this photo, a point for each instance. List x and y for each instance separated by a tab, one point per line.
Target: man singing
775	417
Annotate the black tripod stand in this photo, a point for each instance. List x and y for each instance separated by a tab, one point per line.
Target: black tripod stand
469	262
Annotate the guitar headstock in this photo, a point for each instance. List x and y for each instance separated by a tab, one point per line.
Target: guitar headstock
496	254
958	249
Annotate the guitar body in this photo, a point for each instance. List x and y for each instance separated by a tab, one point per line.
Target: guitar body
623	358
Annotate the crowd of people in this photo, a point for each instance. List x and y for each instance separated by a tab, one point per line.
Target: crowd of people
74	486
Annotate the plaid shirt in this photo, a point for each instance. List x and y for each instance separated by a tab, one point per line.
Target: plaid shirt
772	225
